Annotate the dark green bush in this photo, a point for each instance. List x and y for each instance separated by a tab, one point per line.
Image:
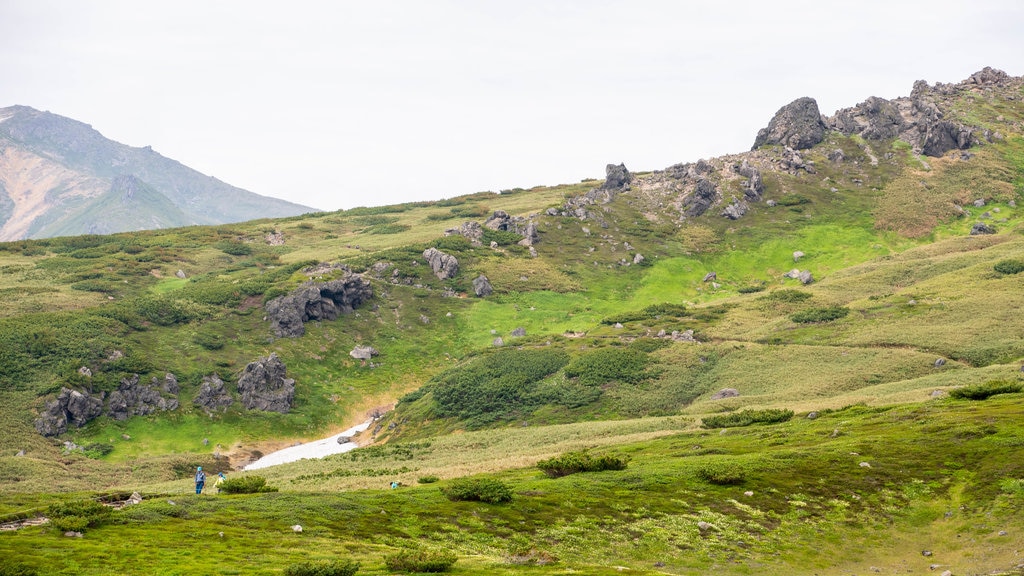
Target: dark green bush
387	229
751	289
1009	266
16	569
746	418
582	461
651	312
323	568
420	560
793	200
500	237
234	248
609	365
786	295
497	386
721	473
208	340
97	449
478	490
820	315
77	515
246	485
986	390
428	479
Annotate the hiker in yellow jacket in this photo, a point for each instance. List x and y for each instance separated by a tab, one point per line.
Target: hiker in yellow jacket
220	480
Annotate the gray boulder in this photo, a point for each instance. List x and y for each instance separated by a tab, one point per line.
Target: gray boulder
518	332
361	352
617	177
499	220
445	266
169	383
797	125
725	393
264	385
735	210
530	235
70	407
753	187
875	119
805	277
315	301
482	286
472	231
212	394
981	228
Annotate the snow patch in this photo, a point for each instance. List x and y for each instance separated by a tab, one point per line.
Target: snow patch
315	449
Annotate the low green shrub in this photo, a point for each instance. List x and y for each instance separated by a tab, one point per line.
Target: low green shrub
746	418
323	568
16	569
721	473
1009	266
427	479
609	365
97	449
986	390
751	289
234	248
420	560
246	485
387	229
500	237
581	461
820	315
77	515
787	295
651	312
478	490
208	341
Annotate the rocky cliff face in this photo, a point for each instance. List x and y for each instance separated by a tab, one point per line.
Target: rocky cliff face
59	176
316	301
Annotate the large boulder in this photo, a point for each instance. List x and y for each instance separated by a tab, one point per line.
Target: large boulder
70	407
471	231
617	177
264	385
135	399
797	125
314	301
445	266
703	197
482	286
874	119
212	395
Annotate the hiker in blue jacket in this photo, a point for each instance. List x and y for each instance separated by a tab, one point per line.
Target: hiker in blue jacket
200	479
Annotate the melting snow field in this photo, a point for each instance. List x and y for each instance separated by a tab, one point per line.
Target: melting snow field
315	449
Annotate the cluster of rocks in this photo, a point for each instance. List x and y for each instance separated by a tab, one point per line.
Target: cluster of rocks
132	398
263	385
617	179
314	301
501	221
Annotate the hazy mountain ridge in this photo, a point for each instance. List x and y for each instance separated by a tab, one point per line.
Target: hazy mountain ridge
54	172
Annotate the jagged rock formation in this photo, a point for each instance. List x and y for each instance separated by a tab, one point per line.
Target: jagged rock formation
361	352
316	301
212	395
797	125
70	407
617	177
445	266
471	231
134	399
264	385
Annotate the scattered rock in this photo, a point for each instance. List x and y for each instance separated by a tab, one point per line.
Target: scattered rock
638	258
725	393
865	465
710	276
134	399
704	527
297	528
135	498
72	534
472	231
926	553
481	286
940	362
445	266
20	453
812	415
85	371
264	385
797	256
344	439
498	342
361	352
70	407
617	177
805	277
748	493
180	274
519	332
981	228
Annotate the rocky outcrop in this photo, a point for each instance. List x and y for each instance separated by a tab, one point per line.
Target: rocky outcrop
264	385
212	395
482	286
316	301
134	399
617	177
753	186
361	352
70	407
472	231
797	125
445	266
703	197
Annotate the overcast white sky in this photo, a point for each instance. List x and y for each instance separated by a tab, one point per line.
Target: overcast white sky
337	104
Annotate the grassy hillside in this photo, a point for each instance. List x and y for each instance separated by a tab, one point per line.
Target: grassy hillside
614	338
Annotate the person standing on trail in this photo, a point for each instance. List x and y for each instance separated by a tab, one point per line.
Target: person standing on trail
200	479
220	480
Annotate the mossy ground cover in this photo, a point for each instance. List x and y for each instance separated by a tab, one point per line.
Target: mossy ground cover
851	489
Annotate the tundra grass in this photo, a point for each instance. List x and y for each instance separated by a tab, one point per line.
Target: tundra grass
852	489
